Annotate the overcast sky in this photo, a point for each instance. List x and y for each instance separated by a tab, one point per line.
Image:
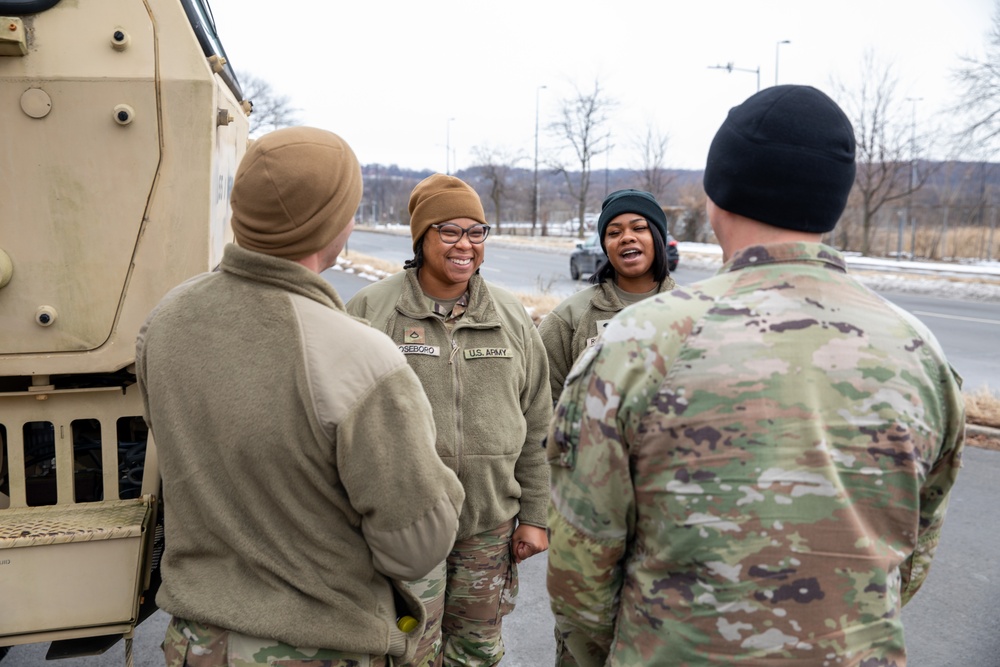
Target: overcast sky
388	75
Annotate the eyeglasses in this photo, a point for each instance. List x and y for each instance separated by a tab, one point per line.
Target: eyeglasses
452	234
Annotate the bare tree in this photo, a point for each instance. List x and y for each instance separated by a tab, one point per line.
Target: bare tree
886	151
582	126
692	224
652	151
270	110
980	98
495	165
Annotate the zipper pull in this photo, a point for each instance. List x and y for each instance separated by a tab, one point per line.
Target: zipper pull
454	351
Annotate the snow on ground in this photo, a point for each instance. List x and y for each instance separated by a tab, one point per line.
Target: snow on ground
979	281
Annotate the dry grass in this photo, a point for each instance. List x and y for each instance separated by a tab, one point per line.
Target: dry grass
961	242
982	407
538	305
361	262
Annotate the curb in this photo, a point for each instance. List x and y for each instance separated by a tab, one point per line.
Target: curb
988	431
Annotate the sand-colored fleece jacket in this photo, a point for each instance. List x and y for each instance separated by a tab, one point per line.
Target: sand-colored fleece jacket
487	380
576	323
298	462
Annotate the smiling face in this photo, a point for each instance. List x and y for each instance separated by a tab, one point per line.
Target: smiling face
447	268
629	244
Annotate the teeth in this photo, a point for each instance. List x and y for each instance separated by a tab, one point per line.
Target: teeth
462	262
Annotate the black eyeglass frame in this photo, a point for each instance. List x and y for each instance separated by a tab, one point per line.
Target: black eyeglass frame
464	232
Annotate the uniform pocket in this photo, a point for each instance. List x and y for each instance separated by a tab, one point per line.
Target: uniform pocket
509	596
175	646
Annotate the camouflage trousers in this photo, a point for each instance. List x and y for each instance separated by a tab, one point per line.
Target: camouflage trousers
466	598
190	644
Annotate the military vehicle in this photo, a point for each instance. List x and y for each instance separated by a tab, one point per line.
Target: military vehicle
121	128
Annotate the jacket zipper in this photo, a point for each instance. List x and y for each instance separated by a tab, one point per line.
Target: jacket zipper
456	371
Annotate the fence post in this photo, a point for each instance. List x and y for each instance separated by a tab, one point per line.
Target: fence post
944	235
899	236
993	226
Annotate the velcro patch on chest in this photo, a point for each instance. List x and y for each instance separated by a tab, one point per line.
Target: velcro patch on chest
414	336
488	353
601	326
428	350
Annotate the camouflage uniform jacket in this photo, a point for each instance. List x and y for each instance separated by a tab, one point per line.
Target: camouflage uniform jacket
487	380
575	324
753	470
299	473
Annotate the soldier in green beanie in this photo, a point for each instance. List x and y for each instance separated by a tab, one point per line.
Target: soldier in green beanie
633	232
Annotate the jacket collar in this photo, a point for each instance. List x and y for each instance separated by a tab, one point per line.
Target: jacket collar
606	297
784	253
412	302
282	273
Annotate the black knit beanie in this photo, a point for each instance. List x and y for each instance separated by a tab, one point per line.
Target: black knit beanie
631	201
784	157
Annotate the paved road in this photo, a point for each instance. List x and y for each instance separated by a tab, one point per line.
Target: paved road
951	623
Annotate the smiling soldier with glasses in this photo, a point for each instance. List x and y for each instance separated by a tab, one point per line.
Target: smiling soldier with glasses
470	342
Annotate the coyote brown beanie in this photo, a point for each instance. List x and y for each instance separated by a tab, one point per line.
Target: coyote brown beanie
440	198
784	157
631	201
295	190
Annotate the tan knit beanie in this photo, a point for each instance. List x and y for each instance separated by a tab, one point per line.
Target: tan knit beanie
440	198
295	190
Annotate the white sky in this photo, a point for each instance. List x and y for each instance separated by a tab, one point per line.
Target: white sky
388	75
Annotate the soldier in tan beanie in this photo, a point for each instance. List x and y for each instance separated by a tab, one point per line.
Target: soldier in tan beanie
482	364
296	190
296	444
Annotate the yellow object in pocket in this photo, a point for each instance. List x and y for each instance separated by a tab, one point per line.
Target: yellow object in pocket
407	624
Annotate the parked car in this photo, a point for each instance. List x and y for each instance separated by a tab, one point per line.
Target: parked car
589	255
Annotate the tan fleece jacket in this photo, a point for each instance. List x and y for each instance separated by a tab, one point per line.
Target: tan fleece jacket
298	462
576	323
488	382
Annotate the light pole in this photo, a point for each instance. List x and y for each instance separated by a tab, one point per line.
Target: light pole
447	149
777	47
729	67
534	191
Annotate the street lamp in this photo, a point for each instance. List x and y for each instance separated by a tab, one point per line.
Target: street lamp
777	46
534	197
729	67
913	182
447	149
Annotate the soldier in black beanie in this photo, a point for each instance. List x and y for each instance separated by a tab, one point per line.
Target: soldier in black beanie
784	157
754	467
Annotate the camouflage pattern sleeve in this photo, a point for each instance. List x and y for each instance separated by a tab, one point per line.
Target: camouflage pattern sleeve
592	514
589	530
936	488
